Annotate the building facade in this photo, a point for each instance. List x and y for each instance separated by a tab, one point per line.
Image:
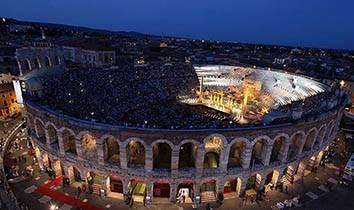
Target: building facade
8	103
32	60
89	53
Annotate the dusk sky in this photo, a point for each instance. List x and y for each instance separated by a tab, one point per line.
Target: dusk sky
311	23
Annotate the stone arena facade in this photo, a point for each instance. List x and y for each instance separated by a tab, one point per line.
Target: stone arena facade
39	59
246	158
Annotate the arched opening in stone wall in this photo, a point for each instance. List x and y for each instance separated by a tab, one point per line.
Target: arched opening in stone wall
258	152
187	155
271	180
138	188
94	182
135	154
74	174
235	154
253	182
301	169
58	168
208	190
93	178
310	138
37	63
185	189
88	147
53	137
116	184
211	160
40	133
111	150
278	149
69	142
27	65
295	146
320	136
213	148
319	158
288	176
57	60
309	165
45	160
47	61
161	155
232	186
330	131
161	189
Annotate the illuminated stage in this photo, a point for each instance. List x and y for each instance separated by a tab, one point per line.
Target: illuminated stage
247	94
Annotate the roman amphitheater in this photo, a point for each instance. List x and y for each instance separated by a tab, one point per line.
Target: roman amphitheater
236	156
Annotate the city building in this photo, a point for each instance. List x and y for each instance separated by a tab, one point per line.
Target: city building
8	103
89	52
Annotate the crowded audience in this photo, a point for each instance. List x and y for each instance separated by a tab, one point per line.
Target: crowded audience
144	96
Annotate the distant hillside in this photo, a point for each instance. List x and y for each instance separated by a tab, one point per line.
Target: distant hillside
79	28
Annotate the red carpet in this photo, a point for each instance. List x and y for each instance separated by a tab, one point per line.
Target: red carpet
45	190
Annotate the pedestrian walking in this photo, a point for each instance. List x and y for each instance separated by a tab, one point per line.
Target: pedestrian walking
78	191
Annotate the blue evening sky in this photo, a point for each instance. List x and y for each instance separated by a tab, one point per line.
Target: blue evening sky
311	23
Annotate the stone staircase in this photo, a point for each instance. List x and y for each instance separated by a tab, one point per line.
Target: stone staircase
209	196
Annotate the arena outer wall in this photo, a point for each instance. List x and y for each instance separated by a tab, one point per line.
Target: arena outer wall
311	137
